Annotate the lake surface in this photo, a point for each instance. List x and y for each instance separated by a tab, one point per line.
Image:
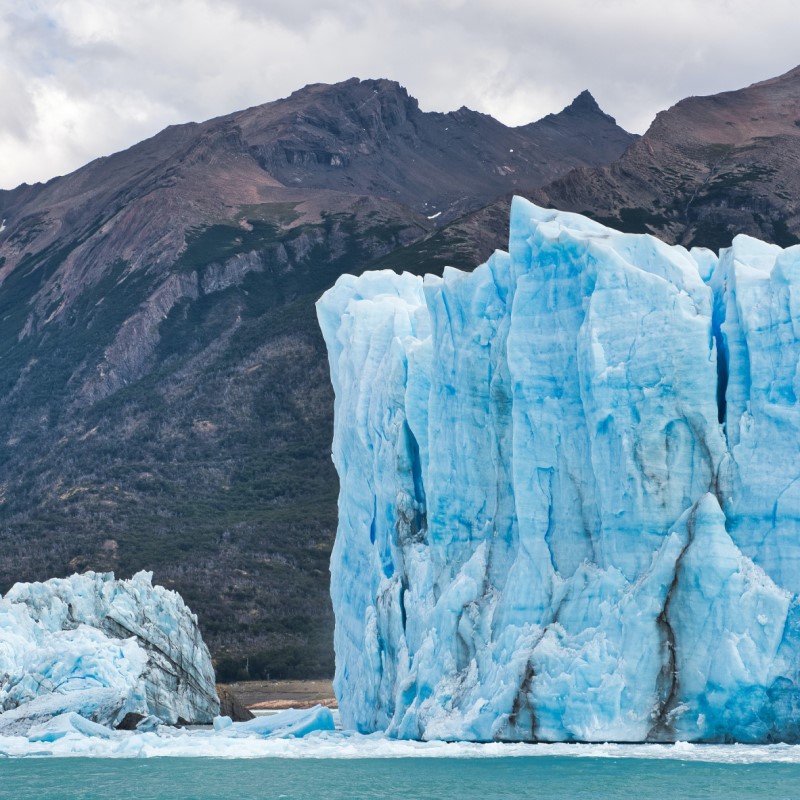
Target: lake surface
547	777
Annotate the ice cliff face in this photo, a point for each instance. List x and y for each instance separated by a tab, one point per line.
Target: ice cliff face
104	649
570	491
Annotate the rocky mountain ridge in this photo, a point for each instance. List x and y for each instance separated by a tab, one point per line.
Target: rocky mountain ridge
164	397
706	169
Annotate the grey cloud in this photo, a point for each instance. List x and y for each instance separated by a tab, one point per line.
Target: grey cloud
81	78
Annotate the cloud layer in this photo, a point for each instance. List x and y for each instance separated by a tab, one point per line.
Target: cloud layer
83	78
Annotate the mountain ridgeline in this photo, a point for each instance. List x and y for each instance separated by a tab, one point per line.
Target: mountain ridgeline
707	169
164	394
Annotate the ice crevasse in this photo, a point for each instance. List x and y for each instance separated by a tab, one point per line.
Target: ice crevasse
570	491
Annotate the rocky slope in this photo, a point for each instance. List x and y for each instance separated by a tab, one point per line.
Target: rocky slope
164	395
707	168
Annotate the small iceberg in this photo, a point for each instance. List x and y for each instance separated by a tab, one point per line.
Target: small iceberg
111	652
293	723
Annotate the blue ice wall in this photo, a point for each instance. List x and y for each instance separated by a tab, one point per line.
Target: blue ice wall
569	491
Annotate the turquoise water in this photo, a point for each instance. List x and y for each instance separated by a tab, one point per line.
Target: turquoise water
549	778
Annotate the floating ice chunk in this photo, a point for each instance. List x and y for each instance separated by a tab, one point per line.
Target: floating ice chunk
67	724
149	723
293	723
105	706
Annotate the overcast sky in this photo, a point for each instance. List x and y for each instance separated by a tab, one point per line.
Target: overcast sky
84	78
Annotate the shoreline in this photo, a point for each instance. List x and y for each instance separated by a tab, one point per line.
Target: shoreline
279	695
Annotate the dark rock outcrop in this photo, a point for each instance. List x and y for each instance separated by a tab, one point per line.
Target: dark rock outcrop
229	705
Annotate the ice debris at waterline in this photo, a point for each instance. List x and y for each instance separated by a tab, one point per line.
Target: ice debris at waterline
329	744
570	491
111	652
71	734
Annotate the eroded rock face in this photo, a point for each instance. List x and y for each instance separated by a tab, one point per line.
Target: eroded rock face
567	485
109	650
230	706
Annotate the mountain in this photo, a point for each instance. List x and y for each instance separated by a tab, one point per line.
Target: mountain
164	393
707	168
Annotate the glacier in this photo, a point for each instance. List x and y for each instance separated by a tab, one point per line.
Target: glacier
569	502
108	652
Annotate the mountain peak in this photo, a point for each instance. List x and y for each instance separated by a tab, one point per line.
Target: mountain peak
583	120
585	102
585	105
350	86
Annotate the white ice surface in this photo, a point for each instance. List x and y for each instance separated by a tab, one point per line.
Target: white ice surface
72	734
202	743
